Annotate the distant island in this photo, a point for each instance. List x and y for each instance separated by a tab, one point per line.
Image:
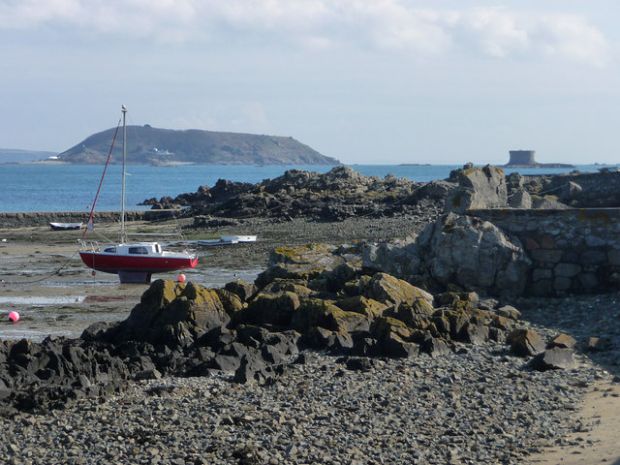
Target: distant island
168	147
23	156
527	159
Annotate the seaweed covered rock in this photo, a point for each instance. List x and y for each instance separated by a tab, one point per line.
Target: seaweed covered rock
300	262
184	329
388	289
172	314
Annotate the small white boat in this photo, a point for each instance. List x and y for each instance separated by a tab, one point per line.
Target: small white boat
226	240
236	239
65	226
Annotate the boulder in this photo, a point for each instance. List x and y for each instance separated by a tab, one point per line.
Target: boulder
390	290
364	305
400	257
563	341
434	347
270	308
392	345
547	202
383	327
437	190
520	199
232	302
179	322
598	344
474	254
478	188
358	363
242	288
526	342
321	313
556	358
508	311
416	315
299	262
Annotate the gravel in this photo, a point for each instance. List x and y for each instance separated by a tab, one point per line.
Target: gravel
479	405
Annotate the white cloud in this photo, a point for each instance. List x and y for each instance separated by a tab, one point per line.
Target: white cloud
393	25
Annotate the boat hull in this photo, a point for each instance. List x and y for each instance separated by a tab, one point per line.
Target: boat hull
122	263
65	226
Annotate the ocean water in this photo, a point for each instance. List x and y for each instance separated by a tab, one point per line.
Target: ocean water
47	187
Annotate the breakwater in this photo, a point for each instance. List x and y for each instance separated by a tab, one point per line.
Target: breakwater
572	251
23	219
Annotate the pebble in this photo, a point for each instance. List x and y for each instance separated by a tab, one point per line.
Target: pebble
417	410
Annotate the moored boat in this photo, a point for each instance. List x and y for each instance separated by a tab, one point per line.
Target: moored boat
65	226
134	262
137	261
236	239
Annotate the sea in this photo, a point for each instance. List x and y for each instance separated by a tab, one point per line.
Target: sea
40	187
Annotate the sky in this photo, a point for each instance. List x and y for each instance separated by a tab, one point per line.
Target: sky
365	81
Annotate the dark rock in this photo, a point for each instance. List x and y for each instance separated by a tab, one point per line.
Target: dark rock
563	341
526	342
476	333
434	347
392	345
243	289
598	344
508	311
390	290
358	363
553	359
276	309
336	195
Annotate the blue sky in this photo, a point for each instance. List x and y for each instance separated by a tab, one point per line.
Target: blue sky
382	81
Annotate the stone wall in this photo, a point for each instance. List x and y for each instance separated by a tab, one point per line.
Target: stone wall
16	220
572	251
598	190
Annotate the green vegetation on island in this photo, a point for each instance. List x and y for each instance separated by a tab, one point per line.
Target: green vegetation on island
146	144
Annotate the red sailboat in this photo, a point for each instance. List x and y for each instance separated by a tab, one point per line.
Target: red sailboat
134	262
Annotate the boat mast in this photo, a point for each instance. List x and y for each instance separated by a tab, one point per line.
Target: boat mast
123	232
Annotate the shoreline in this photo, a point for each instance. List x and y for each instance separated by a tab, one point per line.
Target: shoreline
229	416
596	439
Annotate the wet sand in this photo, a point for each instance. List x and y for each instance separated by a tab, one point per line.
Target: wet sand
598	442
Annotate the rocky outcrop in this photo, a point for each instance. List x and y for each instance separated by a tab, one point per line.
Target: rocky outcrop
474	254
487	187
338	194
478	188
578	190
253	331
456	250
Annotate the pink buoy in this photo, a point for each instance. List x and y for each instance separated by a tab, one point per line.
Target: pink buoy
181	278
14	316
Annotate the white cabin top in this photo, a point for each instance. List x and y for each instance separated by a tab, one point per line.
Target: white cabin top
135	248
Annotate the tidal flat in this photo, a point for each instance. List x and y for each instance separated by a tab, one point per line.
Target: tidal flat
476	405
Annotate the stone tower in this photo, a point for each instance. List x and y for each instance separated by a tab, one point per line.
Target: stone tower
522	157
